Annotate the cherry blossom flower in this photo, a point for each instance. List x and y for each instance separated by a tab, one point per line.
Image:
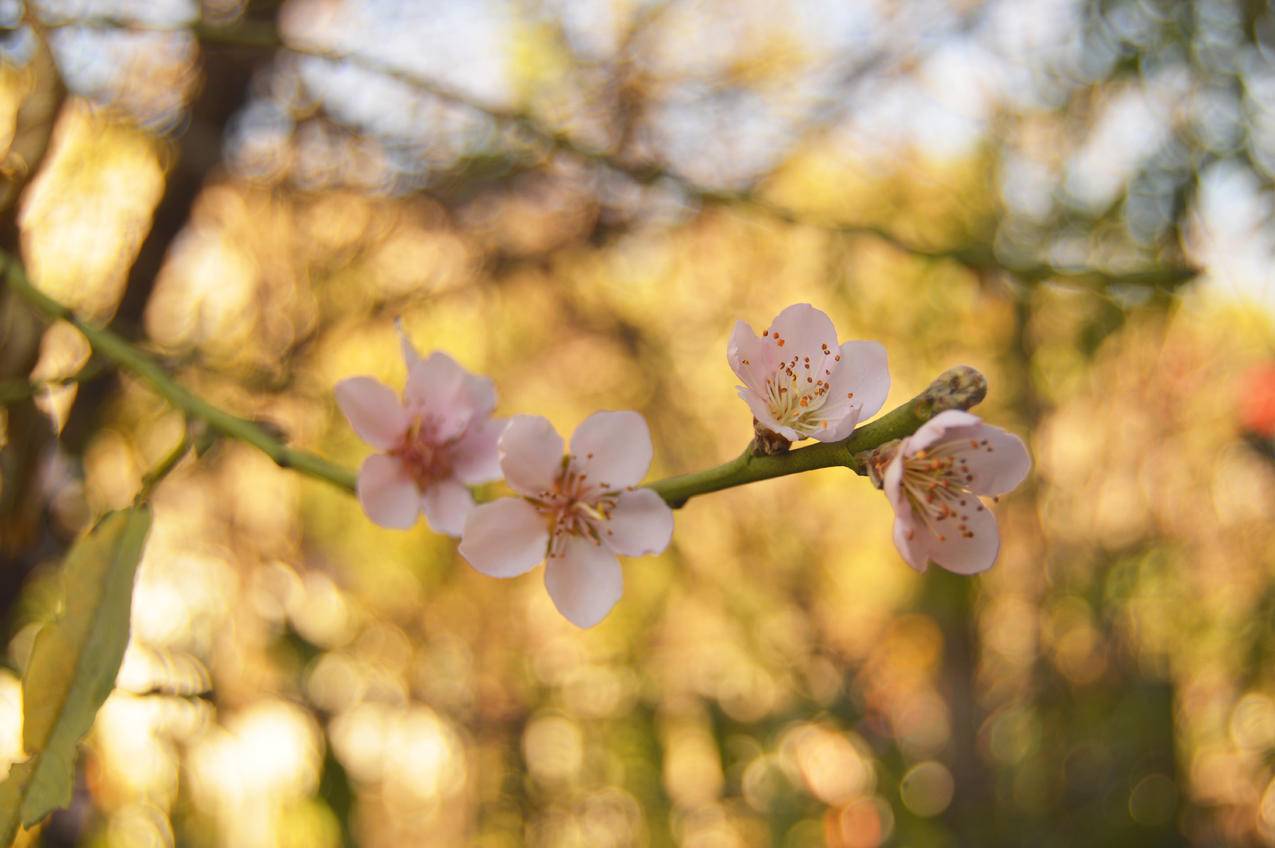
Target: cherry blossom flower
437	440
934	479
799	383
576	512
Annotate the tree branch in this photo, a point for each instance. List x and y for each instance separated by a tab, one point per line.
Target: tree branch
957	388
110	346
979	259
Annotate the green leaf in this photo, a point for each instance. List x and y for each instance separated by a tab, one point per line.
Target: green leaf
73	667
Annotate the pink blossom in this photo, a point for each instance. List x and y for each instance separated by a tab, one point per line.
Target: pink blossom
575	512
437	440
800	383
934	480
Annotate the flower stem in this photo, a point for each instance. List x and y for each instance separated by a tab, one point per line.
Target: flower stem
957	388
112	347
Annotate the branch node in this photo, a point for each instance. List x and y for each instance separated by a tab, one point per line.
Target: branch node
766	442
956	388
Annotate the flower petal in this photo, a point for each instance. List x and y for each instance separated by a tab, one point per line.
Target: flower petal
641	523
761	411
998	466
839	421
966	554
584	582
446	504
373	410
804	331
947	425
862	370
613	448
752	358
476	457
910	538
530	454
388	493
504	538
443	392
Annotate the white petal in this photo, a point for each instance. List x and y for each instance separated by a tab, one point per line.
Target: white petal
613	448
388	493
945	425
641	523
440	389
373	411
584	582
476	457
752	358
862	371
804	331
841	423
998	466
911	538
761	411
433	383
892	479
964	554
504	538
530	454
446	504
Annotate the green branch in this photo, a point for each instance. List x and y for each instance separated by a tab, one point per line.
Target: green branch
957	388
112	347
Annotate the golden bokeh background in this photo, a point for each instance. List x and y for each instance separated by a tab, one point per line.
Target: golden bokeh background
300	677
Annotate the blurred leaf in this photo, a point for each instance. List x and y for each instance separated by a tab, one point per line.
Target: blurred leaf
73	666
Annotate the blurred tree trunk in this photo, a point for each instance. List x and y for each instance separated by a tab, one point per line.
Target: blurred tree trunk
28	431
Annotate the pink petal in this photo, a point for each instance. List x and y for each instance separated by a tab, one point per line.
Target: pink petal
446	504
910	538
584	582
761	412
1000	465
804	331
372	410
613	448
841	423
439	389
863	371
504	538
530	454
388	493
476	458
762	357
951	424
641	523
963	555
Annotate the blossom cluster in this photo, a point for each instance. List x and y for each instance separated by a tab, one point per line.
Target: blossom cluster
576	509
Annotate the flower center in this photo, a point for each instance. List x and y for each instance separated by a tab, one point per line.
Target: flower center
426	460
575	506
936	483
797	392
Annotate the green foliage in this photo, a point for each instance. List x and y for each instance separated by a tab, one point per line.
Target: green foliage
73	666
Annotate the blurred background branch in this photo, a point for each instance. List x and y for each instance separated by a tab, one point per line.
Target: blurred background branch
978	258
